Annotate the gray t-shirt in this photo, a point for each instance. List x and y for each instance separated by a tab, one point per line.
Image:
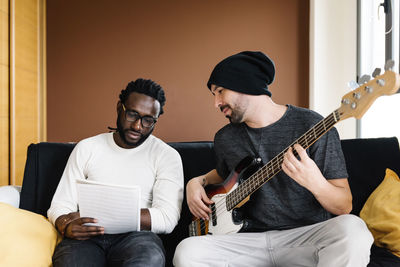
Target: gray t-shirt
281	203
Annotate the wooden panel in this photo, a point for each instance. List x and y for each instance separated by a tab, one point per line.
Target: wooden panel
4	6
42	72
26	43
4	93
25	118
4	40
4	124
26	93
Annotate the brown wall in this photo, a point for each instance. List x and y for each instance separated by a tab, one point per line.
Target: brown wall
94	48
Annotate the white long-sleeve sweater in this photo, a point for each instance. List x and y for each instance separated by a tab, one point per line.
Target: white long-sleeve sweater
154	166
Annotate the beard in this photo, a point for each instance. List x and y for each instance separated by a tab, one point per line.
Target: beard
121	131
236	116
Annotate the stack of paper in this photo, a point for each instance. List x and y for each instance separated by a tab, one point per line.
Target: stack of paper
116	207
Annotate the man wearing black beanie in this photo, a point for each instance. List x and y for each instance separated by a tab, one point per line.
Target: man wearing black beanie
289	220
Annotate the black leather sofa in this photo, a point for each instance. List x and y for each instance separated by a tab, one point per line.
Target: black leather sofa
366	161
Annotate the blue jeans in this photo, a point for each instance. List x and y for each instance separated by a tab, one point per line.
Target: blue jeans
129	249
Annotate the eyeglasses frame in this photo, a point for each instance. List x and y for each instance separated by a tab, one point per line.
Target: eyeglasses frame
140	117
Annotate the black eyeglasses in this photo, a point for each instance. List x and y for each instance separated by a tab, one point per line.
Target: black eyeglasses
133	116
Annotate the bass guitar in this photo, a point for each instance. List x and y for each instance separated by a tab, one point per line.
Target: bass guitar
237	188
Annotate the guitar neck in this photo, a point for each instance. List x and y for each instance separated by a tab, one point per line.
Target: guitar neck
269	170
354	104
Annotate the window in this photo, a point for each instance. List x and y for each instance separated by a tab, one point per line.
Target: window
378	40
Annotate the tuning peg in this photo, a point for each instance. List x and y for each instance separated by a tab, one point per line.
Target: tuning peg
389	64
376	72
365	78
352	85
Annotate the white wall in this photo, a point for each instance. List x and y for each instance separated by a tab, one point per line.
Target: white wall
333	57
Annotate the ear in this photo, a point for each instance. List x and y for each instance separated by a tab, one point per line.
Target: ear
158	108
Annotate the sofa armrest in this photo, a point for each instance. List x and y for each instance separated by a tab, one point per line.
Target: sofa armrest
10	194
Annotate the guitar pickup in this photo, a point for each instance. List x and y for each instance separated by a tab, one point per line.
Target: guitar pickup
213	214
203	228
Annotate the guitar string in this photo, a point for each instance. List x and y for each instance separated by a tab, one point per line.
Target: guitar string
235	194
276	164
318	130
276	161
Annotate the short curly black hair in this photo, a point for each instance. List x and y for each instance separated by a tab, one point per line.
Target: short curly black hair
147	87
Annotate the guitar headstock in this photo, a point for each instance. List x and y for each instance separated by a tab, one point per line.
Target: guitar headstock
358	101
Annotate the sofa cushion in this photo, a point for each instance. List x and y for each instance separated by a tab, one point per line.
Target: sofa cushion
381	213
10	194
27	238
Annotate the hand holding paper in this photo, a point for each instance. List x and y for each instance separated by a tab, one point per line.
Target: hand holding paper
116	207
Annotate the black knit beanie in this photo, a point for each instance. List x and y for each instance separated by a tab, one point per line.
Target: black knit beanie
247	72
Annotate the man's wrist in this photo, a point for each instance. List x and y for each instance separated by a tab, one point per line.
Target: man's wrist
62	223
203	180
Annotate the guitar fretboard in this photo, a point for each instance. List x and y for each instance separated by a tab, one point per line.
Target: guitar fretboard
269	170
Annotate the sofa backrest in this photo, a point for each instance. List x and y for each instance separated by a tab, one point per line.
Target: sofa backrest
367	160
44	166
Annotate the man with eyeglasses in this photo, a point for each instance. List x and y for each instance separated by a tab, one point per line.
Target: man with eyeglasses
130	155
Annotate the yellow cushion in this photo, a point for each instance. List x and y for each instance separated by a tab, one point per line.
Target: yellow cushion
381	212
26	238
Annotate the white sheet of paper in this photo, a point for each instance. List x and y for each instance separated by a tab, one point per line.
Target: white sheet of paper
116	207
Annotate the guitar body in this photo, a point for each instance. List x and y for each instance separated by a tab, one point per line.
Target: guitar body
222	220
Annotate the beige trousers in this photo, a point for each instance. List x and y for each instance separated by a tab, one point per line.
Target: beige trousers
338	242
